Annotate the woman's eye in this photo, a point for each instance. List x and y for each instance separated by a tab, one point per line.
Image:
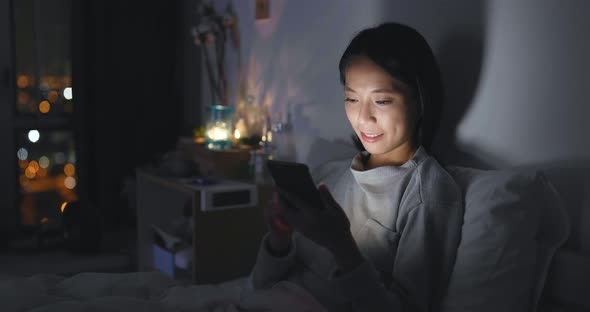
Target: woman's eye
351	100
383	102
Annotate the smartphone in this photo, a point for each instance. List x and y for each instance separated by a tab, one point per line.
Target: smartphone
295	178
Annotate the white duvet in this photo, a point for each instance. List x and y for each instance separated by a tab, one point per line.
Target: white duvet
145	291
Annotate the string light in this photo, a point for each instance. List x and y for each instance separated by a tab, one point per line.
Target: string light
22	153
70	182
44	162
22	81
44	107
34	136
69	170
52	96
68	93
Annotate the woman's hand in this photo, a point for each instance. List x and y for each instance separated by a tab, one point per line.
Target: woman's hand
327	226
280	232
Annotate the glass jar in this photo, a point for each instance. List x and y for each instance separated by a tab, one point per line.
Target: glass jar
219	127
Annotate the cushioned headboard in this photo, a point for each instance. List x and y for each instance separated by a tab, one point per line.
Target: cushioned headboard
569	277
568	282
573	184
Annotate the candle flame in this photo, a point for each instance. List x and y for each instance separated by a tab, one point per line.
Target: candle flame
218	133
237	134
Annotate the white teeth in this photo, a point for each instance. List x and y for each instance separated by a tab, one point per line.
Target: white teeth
372	135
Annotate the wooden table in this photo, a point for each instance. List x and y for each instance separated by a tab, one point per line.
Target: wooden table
225	242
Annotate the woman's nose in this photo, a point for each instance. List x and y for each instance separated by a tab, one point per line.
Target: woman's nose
366	113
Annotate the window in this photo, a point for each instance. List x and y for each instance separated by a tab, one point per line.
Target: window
39	121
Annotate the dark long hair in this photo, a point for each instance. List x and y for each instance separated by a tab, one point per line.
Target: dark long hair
403	53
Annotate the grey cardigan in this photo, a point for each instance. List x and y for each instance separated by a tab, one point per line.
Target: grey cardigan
406	221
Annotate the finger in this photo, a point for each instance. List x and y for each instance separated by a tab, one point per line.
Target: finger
280	206
275	219
278	222
275	207
282	225
270	210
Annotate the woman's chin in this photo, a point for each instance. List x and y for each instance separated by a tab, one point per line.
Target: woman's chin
373	150
383	149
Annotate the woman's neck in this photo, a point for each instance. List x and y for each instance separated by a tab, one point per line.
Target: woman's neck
396	157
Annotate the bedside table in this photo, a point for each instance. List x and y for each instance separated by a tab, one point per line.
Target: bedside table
225	242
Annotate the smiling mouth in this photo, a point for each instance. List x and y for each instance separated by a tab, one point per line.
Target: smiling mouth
371	137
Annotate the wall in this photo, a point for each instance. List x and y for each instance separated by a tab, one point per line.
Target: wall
515	72
531	107
290	61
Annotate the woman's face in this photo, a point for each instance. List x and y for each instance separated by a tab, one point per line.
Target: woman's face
379	111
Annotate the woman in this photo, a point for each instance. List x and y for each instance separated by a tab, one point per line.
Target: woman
387	235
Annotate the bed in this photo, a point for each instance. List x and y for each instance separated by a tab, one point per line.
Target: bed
561	259
145	291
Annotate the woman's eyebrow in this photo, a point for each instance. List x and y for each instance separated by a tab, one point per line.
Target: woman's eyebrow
384	90
380	90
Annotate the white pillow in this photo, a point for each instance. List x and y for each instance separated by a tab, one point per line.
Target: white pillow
506	245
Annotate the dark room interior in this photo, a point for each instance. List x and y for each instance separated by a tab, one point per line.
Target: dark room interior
137	141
